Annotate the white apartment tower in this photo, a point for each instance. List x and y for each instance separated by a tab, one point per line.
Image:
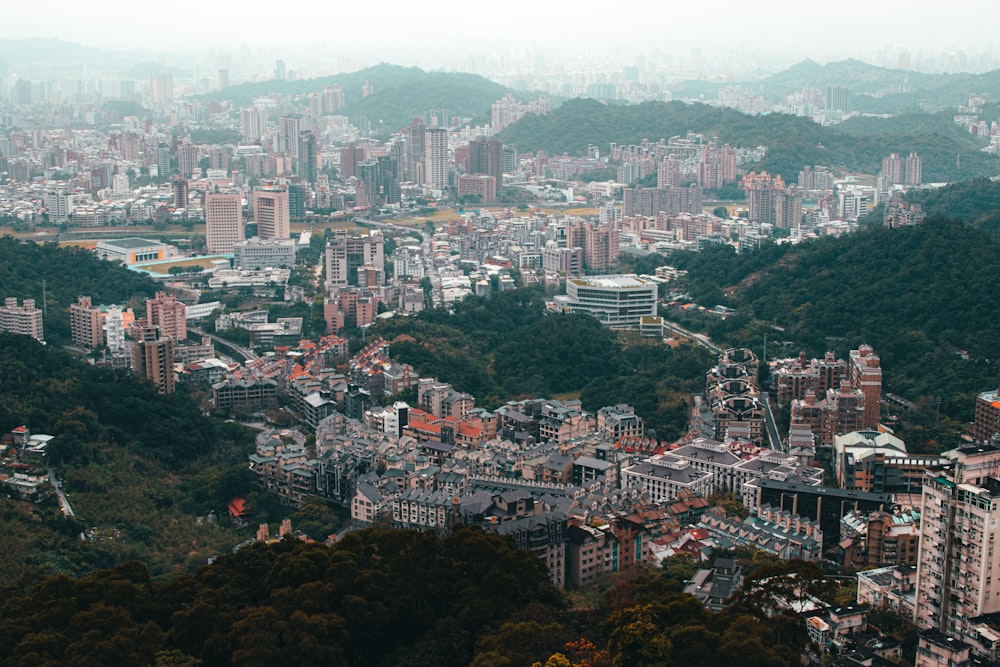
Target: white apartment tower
223	221
436	158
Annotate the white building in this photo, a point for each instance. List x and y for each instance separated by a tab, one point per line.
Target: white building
223	221
256	253
616	301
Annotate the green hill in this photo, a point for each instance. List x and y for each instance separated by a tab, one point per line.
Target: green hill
401	93
919	295
793	142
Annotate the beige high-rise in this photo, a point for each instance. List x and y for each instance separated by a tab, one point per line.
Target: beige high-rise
270	212
223	221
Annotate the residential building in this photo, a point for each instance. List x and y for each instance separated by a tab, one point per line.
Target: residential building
22	319
987	421
666	480
436	169
866	377
85	323
958	556
169	314
878	462
153	357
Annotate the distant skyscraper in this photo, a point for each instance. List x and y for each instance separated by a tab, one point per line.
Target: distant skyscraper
486	157
223	78
288	133
161	89
305	164
253	123
162	162
271	212
280	73
153	357
169	314
223	221
903	171
837	98
436	158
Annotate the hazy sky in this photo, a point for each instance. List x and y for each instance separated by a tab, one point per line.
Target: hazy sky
809	28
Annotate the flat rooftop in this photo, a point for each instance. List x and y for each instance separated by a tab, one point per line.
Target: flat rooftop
130	243
622	281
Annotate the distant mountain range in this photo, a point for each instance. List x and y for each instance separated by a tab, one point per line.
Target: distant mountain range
400	94
793	142
876	89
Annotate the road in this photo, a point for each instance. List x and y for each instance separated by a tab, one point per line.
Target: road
64	505
701	339
248	355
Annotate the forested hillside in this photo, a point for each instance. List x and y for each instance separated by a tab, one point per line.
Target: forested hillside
68	273
793	142
920	295
506	347
137	465
381	598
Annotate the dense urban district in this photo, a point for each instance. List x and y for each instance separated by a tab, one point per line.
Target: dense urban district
408	368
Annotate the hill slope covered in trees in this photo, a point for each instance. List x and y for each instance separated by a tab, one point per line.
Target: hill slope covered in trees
793	142
920	295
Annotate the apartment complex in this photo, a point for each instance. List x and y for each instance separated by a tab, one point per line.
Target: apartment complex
86	323
24	319
153	357
958	574
169	314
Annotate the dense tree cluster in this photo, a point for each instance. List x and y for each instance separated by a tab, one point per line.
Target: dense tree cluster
507	347
70	272
919	295
377	598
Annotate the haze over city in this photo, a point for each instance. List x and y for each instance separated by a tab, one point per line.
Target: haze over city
733	36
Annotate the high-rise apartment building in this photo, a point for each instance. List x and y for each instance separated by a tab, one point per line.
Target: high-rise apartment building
153	357
305	165
288	134
24	319
903	170
436	158
486	157
85	323
958	573
346	254
223	221
987	421
161	89
271	212
180	188
169	314
866	377
253	123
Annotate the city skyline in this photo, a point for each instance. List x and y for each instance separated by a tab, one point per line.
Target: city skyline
452	34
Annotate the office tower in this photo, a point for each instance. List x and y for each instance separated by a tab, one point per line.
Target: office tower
288	134
271	212
85	325
253	123
24	319
866	377
161	89
436	158
346	254
153	357
169	314
280	74
958	556
296	201
305	165
162	162
180	187
223	221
